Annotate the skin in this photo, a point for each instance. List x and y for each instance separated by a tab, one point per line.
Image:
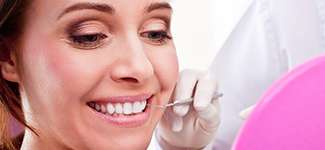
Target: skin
58	75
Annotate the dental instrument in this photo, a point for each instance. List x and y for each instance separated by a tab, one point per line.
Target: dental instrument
183	102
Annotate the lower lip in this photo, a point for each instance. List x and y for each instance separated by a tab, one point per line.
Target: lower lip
129	121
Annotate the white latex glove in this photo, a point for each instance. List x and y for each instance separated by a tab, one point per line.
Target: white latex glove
244	114
193	125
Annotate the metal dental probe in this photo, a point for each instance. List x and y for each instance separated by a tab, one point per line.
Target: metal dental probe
182	102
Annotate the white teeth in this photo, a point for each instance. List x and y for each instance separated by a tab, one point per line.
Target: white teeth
127	108
110	108
118	108
137	107
97	107
143	105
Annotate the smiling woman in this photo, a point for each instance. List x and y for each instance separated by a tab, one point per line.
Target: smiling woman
80	73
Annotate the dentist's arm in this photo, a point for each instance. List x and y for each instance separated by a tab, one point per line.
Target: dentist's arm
194	125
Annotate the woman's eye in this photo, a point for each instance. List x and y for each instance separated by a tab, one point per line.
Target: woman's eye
88	41
158	37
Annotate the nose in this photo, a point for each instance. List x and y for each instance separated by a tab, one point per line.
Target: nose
133	65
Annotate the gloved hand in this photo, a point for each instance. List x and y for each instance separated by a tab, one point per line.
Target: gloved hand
193	125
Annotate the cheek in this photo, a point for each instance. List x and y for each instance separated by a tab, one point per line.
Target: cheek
58	69
73	68
166	69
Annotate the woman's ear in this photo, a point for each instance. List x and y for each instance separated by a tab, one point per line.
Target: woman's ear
9	69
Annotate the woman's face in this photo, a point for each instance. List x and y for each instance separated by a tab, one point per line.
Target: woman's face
88	67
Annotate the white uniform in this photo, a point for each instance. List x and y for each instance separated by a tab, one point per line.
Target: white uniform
272	37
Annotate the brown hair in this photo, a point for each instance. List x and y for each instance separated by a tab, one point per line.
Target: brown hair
11	21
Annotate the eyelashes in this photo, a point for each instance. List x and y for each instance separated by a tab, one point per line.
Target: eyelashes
93	35
156	37
88	41
87	34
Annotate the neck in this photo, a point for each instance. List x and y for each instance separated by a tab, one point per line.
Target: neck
33	142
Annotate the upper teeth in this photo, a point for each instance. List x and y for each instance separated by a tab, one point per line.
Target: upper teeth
120	108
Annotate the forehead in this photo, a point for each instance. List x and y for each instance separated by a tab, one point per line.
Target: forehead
52	9
120	5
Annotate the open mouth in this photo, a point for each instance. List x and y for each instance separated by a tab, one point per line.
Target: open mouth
116	109
127	111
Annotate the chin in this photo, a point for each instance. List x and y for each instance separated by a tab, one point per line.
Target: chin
124	141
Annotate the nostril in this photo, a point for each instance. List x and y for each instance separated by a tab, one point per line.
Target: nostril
129	79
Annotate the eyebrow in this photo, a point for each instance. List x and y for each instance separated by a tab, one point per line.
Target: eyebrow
109	9
81	6
159	5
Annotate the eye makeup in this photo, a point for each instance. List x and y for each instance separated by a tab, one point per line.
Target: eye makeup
156	32
88	35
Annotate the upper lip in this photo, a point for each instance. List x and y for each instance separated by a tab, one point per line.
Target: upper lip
124	99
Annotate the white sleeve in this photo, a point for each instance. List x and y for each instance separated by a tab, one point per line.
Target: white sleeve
321	12
300	28
154	145
250	60
272	37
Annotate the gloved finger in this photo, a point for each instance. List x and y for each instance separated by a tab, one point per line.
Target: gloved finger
175	121
210	113
184	90
205	91
209	118
177	124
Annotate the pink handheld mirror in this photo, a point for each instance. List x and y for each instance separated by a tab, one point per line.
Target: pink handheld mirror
291	114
